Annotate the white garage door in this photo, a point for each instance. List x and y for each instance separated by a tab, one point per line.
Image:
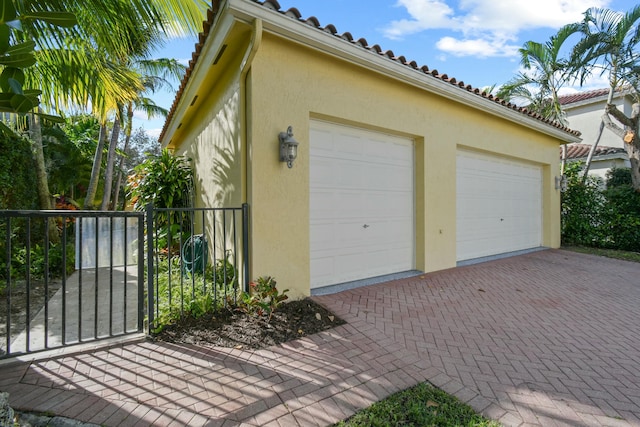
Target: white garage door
499	205
361	204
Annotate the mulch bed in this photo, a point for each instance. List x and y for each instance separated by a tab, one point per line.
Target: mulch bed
235	329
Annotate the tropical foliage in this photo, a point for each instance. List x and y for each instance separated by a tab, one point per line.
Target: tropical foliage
164	180
605	43
546	71
608	218
91	56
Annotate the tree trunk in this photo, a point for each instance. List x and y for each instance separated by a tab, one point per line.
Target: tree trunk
592	150
95	170
563	163
108	175
119	173
633	150
44	195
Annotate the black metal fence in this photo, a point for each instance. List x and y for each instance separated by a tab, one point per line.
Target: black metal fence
69	277
199	260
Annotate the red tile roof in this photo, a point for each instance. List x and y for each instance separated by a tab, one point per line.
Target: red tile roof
578	151
582	96
360	43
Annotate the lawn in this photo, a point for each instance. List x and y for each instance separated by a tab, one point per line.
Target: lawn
609	253
422	405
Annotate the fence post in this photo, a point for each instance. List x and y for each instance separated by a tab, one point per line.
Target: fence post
150	272
141	282
245	244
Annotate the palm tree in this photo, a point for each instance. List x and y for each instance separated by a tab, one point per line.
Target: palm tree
609	45
546	72
156	74
77	60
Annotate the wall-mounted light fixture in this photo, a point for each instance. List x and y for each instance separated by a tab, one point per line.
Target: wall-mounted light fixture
561	183
288	147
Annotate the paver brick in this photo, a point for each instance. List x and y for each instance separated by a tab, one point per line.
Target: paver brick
550	340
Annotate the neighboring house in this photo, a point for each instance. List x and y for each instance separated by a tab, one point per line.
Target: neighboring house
604	158
584	113
399	168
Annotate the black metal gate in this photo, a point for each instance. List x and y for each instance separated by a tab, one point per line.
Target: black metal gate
72	277
69	277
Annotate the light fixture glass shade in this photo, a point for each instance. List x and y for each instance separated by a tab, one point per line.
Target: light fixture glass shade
288	147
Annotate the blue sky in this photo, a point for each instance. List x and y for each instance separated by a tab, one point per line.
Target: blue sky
472	40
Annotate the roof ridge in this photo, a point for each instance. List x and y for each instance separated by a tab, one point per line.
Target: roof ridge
313	22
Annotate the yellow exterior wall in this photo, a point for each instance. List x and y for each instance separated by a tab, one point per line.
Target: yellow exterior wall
292	85
210	135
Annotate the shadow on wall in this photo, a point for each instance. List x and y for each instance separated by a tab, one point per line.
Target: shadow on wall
217	166
217	161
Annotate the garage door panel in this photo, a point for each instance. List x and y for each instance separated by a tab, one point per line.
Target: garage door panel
498	205
361	204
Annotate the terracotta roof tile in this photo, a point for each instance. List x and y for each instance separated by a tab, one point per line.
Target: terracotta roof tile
360	43
578	151
582	96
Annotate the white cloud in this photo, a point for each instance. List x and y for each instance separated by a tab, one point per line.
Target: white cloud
476	47
485	24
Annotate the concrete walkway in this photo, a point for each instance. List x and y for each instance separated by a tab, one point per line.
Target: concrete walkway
549	338
117	294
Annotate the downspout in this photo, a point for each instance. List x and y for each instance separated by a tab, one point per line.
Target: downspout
254	45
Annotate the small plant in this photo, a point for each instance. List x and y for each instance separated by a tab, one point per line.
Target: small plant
182	294
263	298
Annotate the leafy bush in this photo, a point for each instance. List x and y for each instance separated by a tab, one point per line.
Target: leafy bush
37	266
17	184
164	180
601	218
618	176
621	214
581	209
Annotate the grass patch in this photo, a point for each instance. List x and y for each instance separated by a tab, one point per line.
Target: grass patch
422	405
609	253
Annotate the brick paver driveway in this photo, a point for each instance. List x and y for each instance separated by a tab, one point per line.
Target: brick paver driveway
553	337
549	338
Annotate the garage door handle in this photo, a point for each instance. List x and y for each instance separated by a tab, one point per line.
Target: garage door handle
365	226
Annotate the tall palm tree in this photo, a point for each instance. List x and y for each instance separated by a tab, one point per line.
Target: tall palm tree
156	74
610	46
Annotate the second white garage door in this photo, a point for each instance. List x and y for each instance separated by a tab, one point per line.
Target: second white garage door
361	204
498	205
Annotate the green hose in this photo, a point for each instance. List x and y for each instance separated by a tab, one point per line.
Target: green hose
194	254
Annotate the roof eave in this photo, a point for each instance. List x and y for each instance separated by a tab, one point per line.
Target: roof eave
224	23
310	36
296	31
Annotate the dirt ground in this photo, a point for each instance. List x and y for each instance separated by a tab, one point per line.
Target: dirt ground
235	329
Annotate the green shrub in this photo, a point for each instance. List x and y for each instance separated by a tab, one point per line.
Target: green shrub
17	177
618	176
621	216
601	218
181	294
581	208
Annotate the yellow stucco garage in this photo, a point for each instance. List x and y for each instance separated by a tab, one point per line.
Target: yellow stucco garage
374	189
